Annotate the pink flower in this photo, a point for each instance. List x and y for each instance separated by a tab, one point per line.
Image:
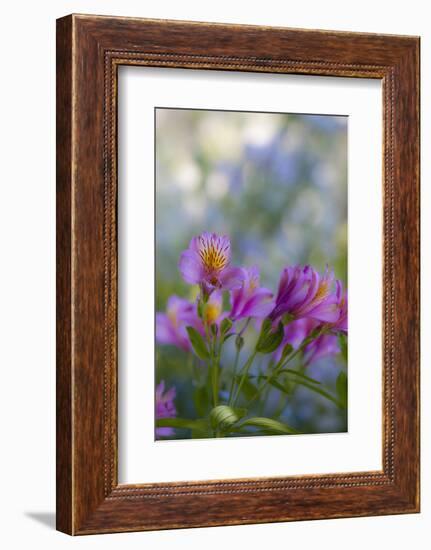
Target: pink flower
206	262
322	346
340	324
171	326
250	300
303	292
295	333
165	407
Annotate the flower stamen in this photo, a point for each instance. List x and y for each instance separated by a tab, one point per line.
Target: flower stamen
214	257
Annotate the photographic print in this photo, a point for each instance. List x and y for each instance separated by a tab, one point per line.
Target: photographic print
251	274
216	203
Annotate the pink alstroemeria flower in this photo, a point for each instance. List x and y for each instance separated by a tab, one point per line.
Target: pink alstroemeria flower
322	346
171	326
341	324
165	408
251	300
206	262
295	333
303	292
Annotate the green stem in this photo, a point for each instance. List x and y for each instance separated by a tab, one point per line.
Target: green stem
281	364
245	370
241	332
280	406
215	355
211	364
216	360
235	367
263	402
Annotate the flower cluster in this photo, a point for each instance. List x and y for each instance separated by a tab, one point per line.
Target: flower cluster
305	316
206	262
171	327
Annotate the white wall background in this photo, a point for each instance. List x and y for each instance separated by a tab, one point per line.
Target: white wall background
27	279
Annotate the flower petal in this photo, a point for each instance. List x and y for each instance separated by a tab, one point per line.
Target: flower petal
324	345
259	304
327	311
296	331
164	330
190	267
231	278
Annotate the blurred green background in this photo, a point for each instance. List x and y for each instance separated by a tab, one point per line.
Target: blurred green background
277	185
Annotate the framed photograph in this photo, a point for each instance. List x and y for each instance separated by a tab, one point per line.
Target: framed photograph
237	274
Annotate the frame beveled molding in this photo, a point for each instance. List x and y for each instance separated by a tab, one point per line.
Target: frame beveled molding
89	51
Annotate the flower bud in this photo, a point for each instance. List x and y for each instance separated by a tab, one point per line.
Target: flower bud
239	342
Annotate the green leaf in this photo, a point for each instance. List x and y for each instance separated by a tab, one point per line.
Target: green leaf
201	424
278	386
266	325
287	350
302	381
269	340
314	334
239	342
201	434
198	344
321	392
287	318
342	340
269	425
225	326
200	309
341	386
275	383
248	388
301	375
223	416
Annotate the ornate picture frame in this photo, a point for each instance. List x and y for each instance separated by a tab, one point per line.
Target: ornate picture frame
89	51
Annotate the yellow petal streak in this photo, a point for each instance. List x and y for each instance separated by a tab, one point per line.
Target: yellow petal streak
213	256
172	314
322	292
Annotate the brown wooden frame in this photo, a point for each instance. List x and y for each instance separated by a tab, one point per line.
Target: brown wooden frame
89	51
